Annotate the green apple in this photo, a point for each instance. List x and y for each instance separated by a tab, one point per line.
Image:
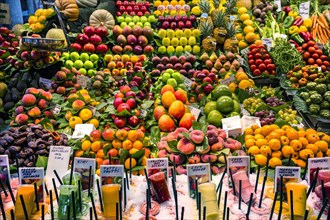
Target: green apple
88	64
91	72
78	64
136	19
172	82
152	19
170	71
147	24
177	76
166	76
139	24
84	57
74	56
68	64
94	57
83	71
123	24
144	19
128	19
131	24
120	19
66	55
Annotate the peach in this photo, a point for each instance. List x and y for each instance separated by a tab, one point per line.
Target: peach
166	88
232	144
162	153
166	123
172	136
61	90
177	158
215	170
212	136
28	100
34	112
68	115
49	114
208	158
108	134
177	109
181	95
32	91
204	151
121	134
168	98
197	136
159	111
187	120
222	133
181	130
95	135
21	119
42	104
185	146
46	95
219	145
194	159
211	127
19	110
162	145
72	97
181	170
78	104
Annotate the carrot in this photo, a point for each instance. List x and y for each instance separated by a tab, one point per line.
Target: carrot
321	24
323	20
314	20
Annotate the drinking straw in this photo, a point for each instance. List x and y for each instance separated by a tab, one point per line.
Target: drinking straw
289	161
199	204
250	160
220	182
55	189
99	192
147	179
204	213
46	189
322	210
124	194
79	194
36	195
71	168
199	210
224	206
182	213
2	210
3	189
306	214
10	192
24	207
196	192
69	210
127	182
93	205
90	213
249	206
117	214
328	218
291	205
12	214
257	180
147	204
89	180
43	212
323	190
120	205
273	206
110	159
51	204
228	212
281	199
175	199
130	167
58	177
174	169
305	170
73	205
262	190
313	183
232	181
240	195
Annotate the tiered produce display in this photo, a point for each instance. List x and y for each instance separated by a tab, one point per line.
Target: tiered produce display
187	104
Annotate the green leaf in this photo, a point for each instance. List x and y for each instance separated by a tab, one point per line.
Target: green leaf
261	107
42	161
101	105
123	155
241	95
138	168
280	122
224	151
300	104
186	135
154	135
199	126
106	149
138	154
278	108
147	104
124	113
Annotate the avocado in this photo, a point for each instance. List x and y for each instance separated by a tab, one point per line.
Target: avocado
8	97
8	106
21	86
12	83
15	94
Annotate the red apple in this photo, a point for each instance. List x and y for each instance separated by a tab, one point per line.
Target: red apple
133	120
123	106
95	135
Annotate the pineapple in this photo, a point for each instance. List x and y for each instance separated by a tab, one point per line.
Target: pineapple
205	6
230	7
208	43
216	4
231	42
219	31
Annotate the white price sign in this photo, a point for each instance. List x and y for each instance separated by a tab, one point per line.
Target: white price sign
47	82
80	130
57	109
278	3
194	111
82	80
187	82
59	157
227	81
268	42
304	10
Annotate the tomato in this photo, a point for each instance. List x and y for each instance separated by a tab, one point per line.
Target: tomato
254	51
319	52
311	49
271	67
253	67
267	61
315	56
249	53
258	56
310	43
304	46
256	72
326	63
262	67
323	68
263	51
251	62
319	62
310	61
261	46
273	72
258	62
323	57
252	46
306	55
266	72
251	57
266	56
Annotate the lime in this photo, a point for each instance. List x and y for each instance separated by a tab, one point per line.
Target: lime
215	118
221	90
225	104
209	107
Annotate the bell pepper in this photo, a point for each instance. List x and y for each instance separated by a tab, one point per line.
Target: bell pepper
293	14
297	38
280	17
293	29
302	28
288	21
306	36
297	22
308	23
294	43
287	9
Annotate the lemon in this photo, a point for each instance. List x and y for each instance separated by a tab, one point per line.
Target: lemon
260	159
166	41
170	49
162	49
196	11
170	33
242	10
183	41
179	33
85	114
245	17
273	162
95	122
242	44
187	33
175	42
196	32
192	41
196	49
248	29
188	48
248	22
251	37
74	120
239	36
157	13
157	3
253	150
162	33
179	49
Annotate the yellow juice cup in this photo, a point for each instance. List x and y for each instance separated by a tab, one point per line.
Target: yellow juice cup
110	195
299	198
27	191
209	200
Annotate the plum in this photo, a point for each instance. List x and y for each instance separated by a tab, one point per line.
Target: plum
197	136
219	145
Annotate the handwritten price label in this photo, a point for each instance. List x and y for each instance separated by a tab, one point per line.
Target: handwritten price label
304	10
47	82
195	111
268	42
83	81
278	3
57	109
187	82
143	113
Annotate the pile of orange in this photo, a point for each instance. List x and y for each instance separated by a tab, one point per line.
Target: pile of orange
282	142
113	142
36	22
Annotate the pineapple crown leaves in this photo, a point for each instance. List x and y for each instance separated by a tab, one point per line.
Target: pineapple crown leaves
205	6
206	28
230	6
230	29
216	3
219	19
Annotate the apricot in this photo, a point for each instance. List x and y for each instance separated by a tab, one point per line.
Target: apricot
32	91
206	158
21	119
68	115
177	109
121	134
168	98
181	95
78	104
197	136
166	123
46	95
159	111
108	134
166	88
34	112
187	120
217	146
28	100
42	104
72	97
185	146
194	159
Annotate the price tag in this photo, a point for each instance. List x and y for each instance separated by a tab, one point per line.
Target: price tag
292	45
157	165
199	172
278	3
319	69
245	51
232	17
46	82
93	109
232	126
291	173
111	173
314	163
59	157
241	61
248	121
268	42
4	166
80	130
304	9
187	82
143	113
31	175
227	81
57	109
284	36
195	111
83	80
240	167
320	46
81	165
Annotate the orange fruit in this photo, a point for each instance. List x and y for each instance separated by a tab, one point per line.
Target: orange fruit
313	138
285	140
86	145
96	145
85	114
121	134
166	123
306	153
292	134
168	98
287	151
296	145
295	155
265	150
98	172
326	138
100	153
259	136
274	162
79	153
99	161
127	144
257	131
133	151
284	127
274	127
128	163
319	154
322	145
260	159
265	130
310	131
117	144
261	142
301	133
274	135
304	141
132	135
247	137
254	127
147	152
177	109
328	153
140	134
249	143
248	131
274	144
280	131
277	154
94	122
166	88
313	148
299	163
253	150
138	145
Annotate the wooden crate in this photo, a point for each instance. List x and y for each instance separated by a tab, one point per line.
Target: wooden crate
4	14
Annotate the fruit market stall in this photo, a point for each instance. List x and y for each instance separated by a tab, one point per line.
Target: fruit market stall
166	110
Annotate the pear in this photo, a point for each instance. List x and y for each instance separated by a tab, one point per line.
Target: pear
213	57
227	65
217	65
236	64
166	41
204	57
223	58
175	42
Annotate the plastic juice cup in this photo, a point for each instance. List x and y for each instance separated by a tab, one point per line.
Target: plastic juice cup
27	191
110	195
159	187
209	200
65	200
75	178
299	198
